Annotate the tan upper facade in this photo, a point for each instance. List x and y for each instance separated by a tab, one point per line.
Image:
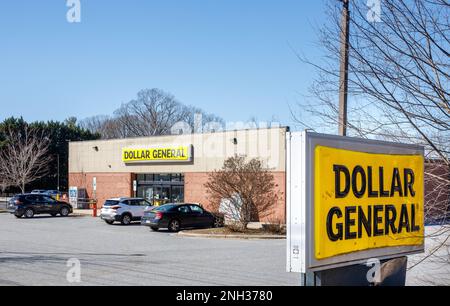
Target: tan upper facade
209	151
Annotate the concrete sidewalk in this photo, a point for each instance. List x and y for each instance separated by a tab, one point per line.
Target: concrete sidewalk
84	212
191	233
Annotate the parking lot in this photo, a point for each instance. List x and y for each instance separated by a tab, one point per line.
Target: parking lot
35	252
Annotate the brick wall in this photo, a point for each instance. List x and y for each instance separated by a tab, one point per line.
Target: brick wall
195	192
109	185
437	190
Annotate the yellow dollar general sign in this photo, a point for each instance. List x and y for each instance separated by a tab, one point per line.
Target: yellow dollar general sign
365	200
178	153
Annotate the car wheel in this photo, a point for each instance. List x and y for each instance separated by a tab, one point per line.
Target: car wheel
154	228
53	214
217	223
109	221
64	212
174	225
126	219
29	213
18	216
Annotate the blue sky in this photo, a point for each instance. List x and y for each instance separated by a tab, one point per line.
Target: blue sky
233	58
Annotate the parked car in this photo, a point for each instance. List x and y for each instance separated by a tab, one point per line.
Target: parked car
177	216
38	191
124	210
32	204
52	193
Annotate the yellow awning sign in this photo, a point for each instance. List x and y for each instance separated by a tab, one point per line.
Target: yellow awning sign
365	201
176	153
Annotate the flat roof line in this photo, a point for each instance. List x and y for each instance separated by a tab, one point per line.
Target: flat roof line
286	128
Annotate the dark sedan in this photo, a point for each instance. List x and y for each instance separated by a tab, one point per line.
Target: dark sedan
178	216
29	205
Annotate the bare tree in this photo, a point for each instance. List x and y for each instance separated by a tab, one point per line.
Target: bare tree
23	158
399	77
107	126
247	186
3	181
153	112
399	84
399	74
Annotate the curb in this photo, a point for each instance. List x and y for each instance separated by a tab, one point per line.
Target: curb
71	215
78	215
229	236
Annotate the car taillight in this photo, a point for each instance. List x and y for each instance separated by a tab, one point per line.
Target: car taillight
115	207
158	215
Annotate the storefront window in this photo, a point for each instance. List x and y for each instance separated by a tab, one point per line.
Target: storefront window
161	195
160	189
145	192
162	178
177	194
177	177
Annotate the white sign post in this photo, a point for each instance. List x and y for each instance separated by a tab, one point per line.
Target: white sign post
94	185
73	196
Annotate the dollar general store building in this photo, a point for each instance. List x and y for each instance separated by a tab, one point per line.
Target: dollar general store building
172	168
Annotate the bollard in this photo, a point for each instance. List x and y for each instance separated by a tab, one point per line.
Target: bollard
94	208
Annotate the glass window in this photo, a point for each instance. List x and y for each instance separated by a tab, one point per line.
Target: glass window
142	203
183	209
48	199
177	194
166	207
162	177
145	192
110	203
161	188
196	209
31	198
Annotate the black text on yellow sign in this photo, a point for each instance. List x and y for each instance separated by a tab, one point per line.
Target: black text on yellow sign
179	153
364	201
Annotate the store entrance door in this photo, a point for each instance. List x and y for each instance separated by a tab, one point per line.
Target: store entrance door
161	189
161	194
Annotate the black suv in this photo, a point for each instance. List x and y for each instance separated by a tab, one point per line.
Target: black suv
29	205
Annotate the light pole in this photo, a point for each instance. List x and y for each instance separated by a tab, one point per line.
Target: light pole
57	162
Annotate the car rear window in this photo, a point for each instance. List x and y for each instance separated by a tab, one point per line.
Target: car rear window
165	207
142	203
110	203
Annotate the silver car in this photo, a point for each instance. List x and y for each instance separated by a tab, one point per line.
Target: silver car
124	210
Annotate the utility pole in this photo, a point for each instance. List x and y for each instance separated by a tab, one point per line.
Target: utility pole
343	71
57	156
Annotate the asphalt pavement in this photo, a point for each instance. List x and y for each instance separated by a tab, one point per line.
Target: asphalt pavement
36	252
